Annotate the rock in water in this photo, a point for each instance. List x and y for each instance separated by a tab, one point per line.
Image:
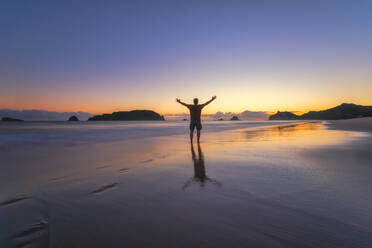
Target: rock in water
73	118
234	118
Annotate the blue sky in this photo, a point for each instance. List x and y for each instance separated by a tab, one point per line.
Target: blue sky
103	56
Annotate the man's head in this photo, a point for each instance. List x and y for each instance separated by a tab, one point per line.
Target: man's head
196	101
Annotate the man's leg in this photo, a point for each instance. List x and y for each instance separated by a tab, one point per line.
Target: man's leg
198	129
192	127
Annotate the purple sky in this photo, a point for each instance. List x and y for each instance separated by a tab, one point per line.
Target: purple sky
103	56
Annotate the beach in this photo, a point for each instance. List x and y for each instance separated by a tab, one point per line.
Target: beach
248	184
358	124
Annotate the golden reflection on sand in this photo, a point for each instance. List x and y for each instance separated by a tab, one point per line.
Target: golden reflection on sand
304	134
267	145
232	144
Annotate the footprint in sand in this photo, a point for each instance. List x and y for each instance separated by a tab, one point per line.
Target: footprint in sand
38	232
14	200
146	161
104	188
58	178
103	166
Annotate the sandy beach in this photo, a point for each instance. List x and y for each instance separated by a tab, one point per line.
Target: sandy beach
358	124
275	184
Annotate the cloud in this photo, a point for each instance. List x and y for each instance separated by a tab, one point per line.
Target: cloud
254	114
245	115
42	115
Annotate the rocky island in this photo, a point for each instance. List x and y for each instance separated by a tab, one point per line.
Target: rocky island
10	119
284	116
234	118
343	111
73	118
134	115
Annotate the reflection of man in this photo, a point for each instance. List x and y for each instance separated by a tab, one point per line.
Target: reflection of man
195	113
199	169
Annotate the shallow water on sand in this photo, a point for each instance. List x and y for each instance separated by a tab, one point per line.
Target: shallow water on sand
297	185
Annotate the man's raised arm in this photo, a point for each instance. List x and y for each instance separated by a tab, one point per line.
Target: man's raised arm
213	98
179	101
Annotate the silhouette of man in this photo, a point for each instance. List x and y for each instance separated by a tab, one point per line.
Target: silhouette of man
195	113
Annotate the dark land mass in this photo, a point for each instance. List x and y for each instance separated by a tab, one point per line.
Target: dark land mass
10	119
234	118
73	118
134	115
343	111
284	116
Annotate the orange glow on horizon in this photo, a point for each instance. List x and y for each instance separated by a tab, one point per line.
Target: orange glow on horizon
172	109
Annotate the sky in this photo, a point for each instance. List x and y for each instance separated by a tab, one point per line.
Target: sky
101	56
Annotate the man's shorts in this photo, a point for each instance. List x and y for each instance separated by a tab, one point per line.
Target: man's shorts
196	124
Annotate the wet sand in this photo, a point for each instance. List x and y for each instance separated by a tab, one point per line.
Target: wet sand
358	124
293	185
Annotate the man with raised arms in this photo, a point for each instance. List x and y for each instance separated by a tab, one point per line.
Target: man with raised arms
195	114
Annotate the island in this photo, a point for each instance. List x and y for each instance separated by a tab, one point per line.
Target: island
73	118
134	115
8	119
220	119
234	118
283	116
343	111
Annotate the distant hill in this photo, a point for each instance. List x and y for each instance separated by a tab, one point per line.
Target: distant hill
10	119
343	111
134	115
73	118
283	116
